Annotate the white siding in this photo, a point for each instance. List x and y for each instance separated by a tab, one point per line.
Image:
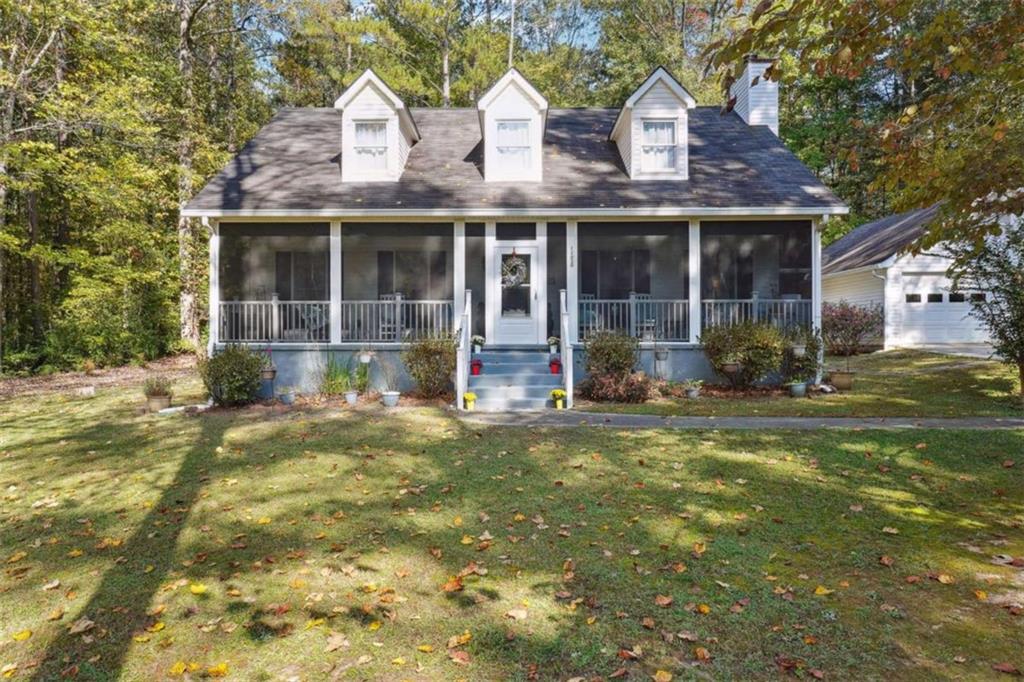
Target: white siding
758	105
625	144
372	105
512	103
860	288
659	103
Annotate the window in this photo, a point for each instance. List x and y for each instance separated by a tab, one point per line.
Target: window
513	144
301	275
957	298
416	275
659	146
980	298
935	298
371	145
913	298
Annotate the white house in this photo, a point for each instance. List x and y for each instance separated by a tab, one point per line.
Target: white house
872	265
371	224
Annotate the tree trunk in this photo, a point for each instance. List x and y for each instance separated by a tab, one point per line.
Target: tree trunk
34	278
188	314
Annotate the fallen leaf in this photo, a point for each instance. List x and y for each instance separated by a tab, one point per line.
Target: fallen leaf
22	636
425	648
219	670
16	557
263	520
156	627
946	579
197	588
459	657
454	584
398	660
459	640
822	591
886	560
516	614
980	595
890	530
81	625
662	676
663	600
1008	668
701	654
335	641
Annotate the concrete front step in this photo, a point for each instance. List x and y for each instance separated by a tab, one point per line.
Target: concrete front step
509	404
514	368
489	392
487	380
514	380
503	356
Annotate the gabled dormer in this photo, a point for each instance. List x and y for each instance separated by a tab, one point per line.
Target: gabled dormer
512	118
377	131
651	129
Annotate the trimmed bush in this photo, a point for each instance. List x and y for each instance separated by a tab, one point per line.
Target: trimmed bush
430	362
805	368
756	346
610	360
847	328
635	387
232	377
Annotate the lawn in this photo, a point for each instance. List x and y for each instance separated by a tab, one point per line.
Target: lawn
329	543
889	384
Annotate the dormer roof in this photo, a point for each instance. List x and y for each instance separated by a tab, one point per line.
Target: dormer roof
659	75
370	79
517	80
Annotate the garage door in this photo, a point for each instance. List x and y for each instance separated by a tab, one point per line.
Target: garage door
931	314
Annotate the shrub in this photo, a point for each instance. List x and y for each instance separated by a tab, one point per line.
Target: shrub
847	328
430	362
232	377
156	386
610	354
635	387
802	368
756	346
335	379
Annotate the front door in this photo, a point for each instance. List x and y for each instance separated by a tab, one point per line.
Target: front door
517	295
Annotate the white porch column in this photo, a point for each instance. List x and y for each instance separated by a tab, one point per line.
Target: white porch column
542	273
572	282
490	287
459	272
816	287
694	271
335	262
214	316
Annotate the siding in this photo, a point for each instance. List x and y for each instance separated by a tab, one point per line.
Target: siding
659	103
860	288
757	105
625	144
371	105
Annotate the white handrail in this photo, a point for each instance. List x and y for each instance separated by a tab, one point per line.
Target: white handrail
566	342
464	352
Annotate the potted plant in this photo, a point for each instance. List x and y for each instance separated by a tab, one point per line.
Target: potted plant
286	395
558	397
348	389
365	355
692	388
470	399
269	370
731	365
555	365
478	343
660	353
157	390
476	366
798	387
553	343
390	395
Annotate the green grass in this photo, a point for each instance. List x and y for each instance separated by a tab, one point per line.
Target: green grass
890	384
261	533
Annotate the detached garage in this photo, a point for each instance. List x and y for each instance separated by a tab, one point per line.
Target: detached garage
871	265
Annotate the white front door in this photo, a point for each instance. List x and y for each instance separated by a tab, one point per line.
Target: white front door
517	292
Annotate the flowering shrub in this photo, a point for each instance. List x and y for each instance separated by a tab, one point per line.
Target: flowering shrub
847	328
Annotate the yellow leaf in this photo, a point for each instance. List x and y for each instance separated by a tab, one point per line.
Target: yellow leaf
140	638
149	568
662	676
370	587
398	661
263	520
457	521
821	591
178	669
981	595
374	626
16	557
946	579
314	622
197	588
297	583
425	648
56	614
467	540
22	636
156	627
9	670
704	608
75	553
519	517
591	620
219	670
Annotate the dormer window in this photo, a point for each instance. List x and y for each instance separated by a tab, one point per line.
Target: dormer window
513	144
371	145
659	146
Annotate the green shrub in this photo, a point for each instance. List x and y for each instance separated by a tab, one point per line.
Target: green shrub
805	368
232	377
156	386
335	379
430	362
610	354
756	346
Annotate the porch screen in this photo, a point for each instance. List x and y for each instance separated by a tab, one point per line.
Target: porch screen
619	259
381	260
258	260
756	259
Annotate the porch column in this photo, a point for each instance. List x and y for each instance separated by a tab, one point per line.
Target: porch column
694	271
335	279
816	284
572	283
214	316
459	273
490	287
542	274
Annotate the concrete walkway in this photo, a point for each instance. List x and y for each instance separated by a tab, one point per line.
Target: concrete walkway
646	421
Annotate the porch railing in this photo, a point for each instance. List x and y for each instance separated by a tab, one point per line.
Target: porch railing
782	313
392	321
651	319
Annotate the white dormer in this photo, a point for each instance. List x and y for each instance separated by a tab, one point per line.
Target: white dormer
651	129
756	97
377	131
512	117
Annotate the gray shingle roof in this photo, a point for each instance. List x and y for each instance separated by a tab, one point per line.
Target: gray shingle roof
293	164
874	242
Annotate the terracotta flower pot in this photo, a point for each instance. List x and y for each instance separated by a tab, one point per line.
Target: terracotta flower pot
155	403
842	379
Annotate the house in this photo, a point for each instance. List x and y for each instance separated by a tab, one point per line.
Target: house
370	224
873	265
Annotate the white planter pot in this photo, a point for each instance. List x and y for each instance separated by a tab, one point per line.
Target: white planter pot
476	348
351	397
554	350
390	398
365	358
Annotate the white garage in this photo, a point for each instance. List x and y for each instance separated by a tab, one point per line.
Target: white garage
871	265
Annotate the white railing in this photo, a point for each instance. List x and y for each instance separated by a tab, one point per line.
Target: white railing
393	321
647	319
274	320
782	313
566	349
464	352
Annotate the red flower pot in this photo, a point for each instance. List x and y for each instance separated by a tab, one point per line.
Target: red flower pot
555	366
475	367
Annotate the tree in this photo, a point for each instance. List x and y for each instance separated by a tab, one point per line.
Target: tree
955	70
995	266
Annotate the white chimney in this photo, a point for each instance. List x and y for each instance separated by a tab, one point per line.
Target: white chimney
757	98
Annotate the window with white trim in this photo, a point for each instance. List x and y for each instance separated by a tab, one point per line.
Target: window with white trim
371	145
513	144
658	145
